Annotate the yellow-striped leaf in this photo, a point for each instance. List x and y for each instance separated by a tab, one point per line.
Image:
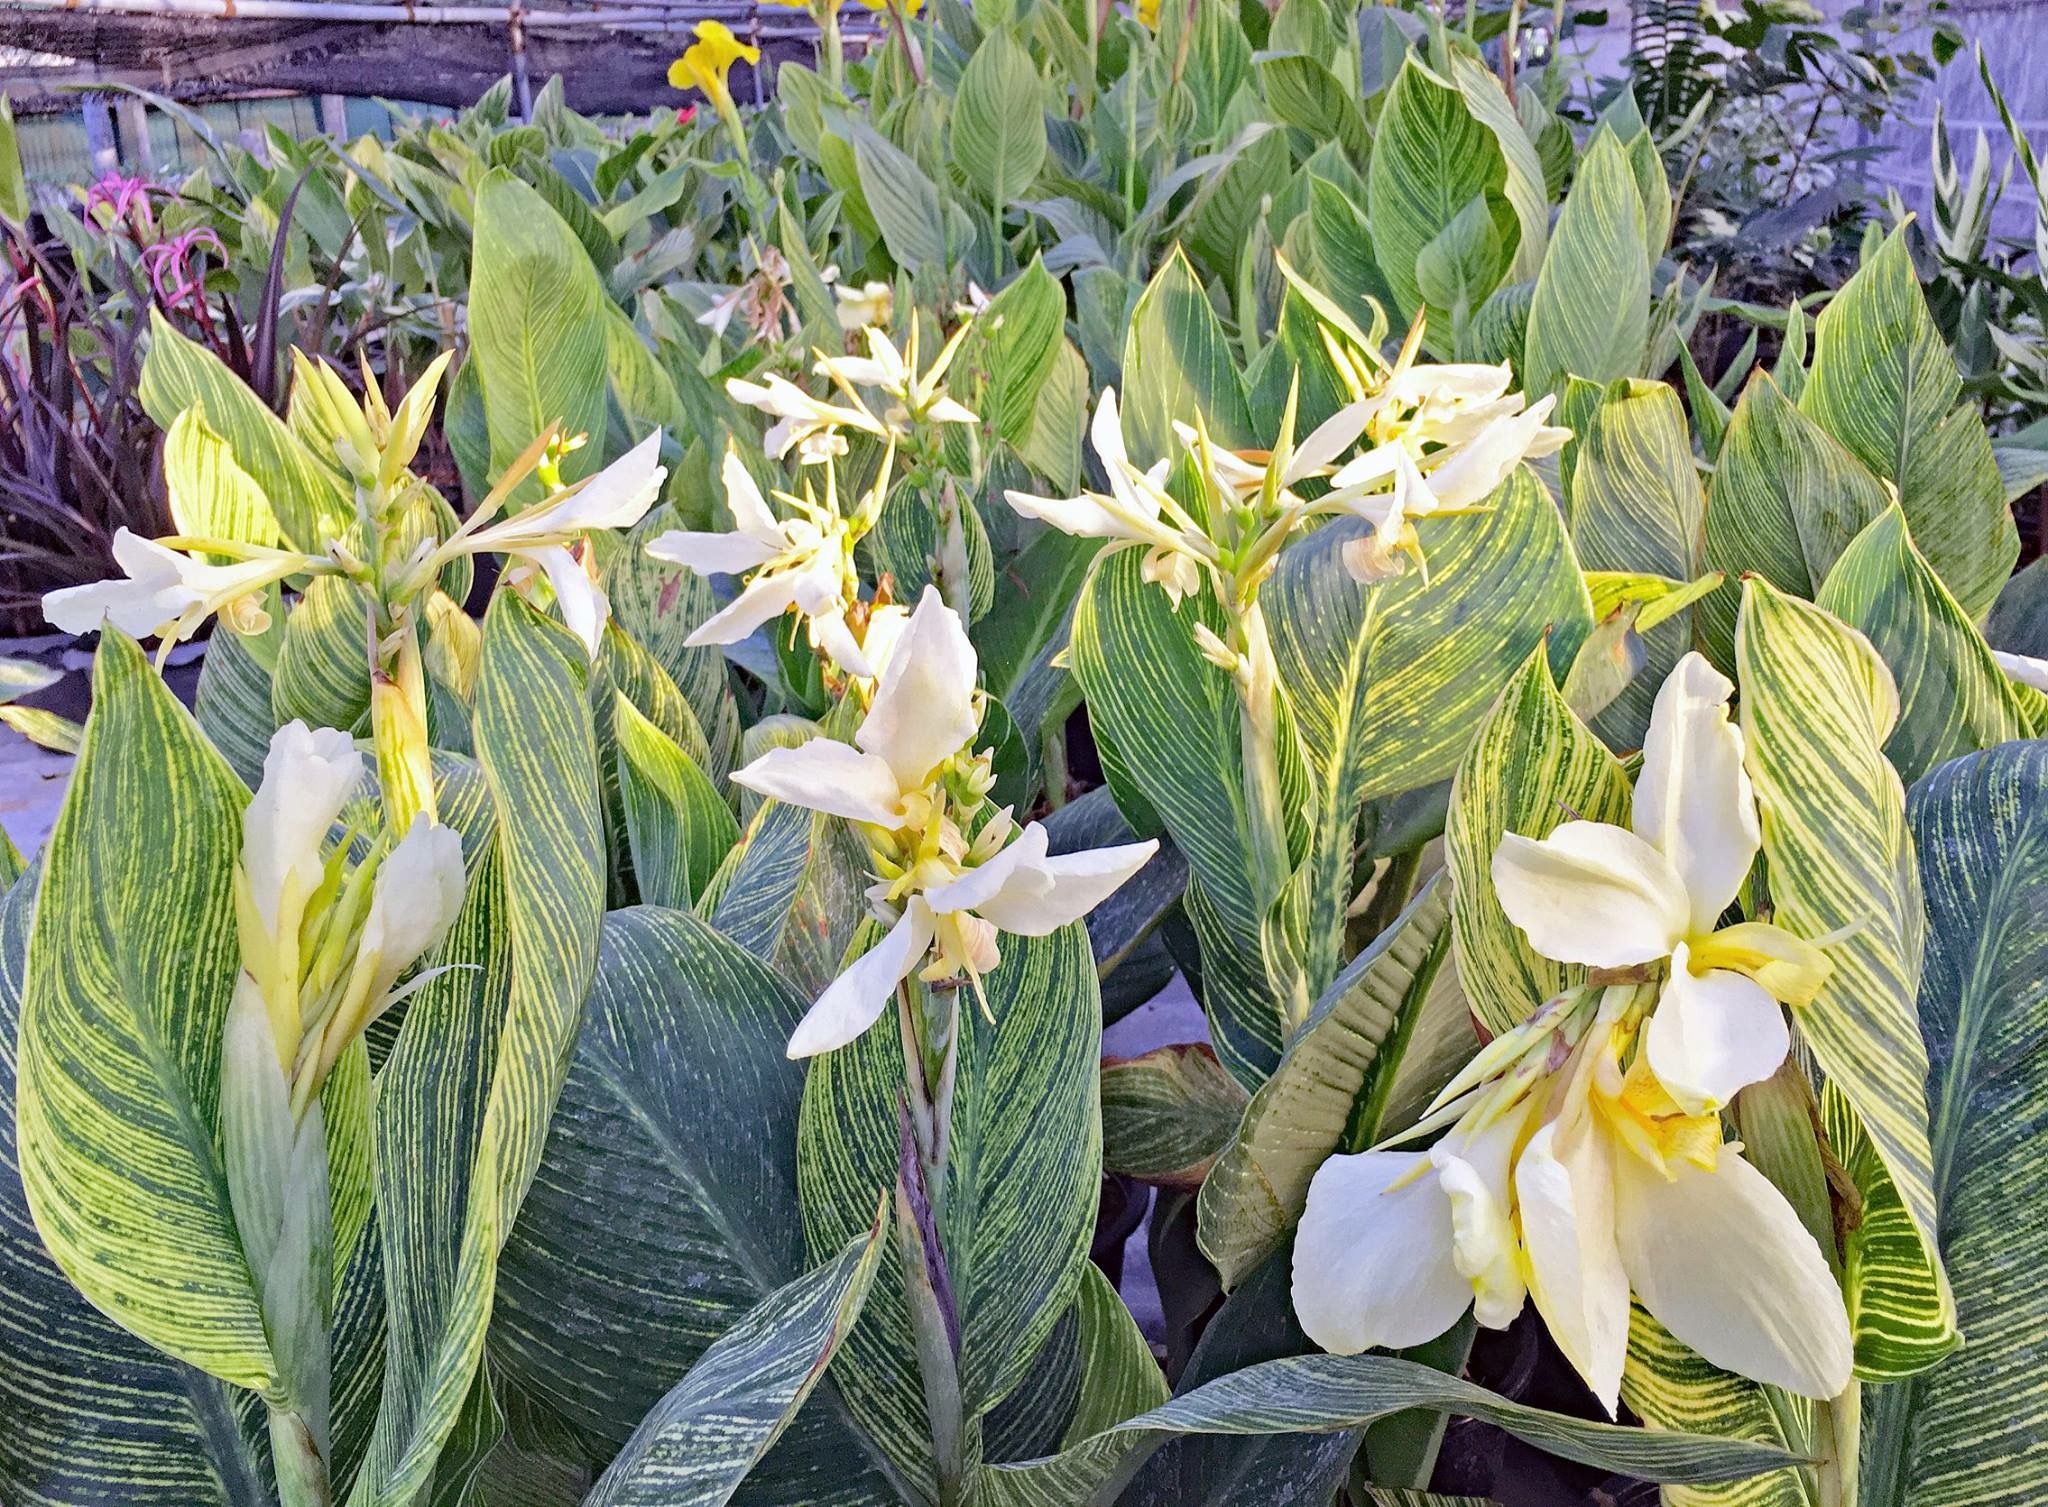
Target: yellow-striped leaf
1167	1113
701	1440
1817	707
465	1097
1886	386
1953	698
1532	766
130	968
1590	315
678	825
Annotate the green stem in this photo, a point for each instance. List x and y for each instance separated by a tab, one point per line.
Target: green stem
301	1473
1838	1427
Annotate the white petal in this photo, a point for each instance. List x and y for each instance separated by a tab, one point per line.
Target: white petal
1475	1171
1724	1263
1373	1268
585	608
308	775
413	900
1075	883
1331	438
1476	470
135	607
1375	465
711	554
830	633
1019	865
948	411
923	712
750	511
1591	893
2023	668
856	999
1106	433
1693	800
621	494
1713	1034
1082	516
827	776
1457	382
1564	1183
761	600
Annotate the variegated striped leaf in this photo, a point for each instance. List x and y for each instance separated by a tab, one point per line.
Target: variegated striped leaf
1177	364
1532	766
1167	1113
322	671
211	495
678	826
536	326
1590	314
675	1135
464	1100
700	1441
1787	499
1329	1393
1119	1377
1953	698
1885	384
1817	707
1388	682
1668	1386
792	892
1635	505
1973	1432
233	703
1339	1071
1020	1199
311	502
130	968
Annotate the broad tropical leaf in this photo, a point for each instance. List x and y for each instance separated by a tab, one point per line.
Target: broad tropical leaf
1591	310
700	1441
1817	707
1975	1429
1167	1113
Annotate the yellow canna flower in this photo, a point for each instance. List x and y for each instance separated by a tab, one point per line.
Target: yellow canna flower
910	8
1148	14
708	61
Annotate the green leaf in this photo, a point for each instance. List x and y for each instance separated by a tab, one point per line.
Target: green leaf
14	200
1786	501
1636	506
322	673
504	1033
1430	158
1531	766
1387	682
679	826
129	975
93	1413
1302	93
1953	698
1022	1186
1525	188
1971	1430
903	198
676	1134
1014	349
1167	1113
2019	622
1338	1071
1327	1393
311	502
1670	1387
1119	1377
537	326
1817	706
791	892
1178	365
1590	315
701	1440
998	121
1885	385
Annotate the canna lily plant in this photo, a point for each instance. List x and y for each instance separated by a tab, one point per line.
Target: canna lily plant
629	1025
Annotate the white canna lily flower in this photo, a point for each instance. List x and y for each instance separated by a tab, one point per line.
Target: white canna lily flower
911	780
801	418
869	304
617	497
1470	470
166	592
919	397
1136	509
803	564
1572	1182
308	776
1610	897
2023	669
418	891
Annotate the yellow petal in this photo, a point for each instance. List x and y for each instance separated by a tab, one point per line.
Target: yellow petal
1789	968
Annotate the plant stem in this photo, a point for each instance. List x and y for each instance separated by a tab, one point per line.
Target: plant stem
301	1473
1838	1426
